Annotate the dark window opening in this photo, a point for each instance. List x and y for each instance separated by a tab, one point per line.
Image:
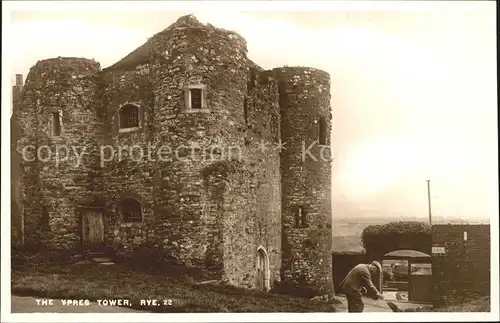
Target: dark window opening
245	110
300	217
131	210
275	128
196	99
45	219
129	116
282	91
322	131
56	124
251	80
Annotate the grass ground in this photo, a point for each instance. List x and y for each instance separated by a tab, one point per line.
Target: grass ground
481	304
94	281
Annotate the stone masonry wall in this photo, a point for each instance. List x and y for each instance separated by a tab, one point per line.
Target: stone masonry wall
232	205
254	198
463	271
262	114
304	97
59	184
171	189
25	117
128	172
214	185
16	190
16	205
239	230
189	53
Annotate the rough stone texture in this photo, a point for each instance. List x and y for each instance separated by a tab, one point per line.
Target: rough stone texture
65	84
210	211
16	200
125	175
16	188
190	53
463	272
306	255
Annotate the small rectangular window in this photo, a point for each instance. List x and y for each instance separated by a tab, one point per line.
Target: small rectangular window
129	116
322	130
196	99
56	123
300	217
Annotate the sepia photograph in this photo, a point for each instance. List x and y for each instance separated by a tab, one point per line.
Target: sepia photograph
249	161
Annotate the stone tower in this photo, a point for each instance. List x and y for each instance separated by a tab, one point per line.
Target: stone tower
201	180
199	76
15	164
304	95
56	119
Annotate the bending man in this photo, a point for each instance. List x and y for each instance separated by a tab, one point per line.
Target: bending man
358	279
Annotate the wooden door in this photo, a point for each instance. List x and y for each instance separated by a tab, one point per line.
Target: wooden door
92	227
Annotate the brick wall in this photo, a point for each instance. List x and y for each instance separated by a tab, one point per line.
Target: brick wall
463	271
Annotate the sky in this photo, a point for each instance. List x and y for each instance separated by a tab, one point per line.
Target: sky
413	91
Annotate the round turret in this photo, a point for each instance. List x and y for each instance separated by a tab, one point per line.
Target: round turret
59	122
199	76
306	177
199	73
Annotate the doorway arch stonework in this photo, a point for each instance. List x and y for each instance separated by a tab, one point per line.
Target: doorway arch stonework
263	271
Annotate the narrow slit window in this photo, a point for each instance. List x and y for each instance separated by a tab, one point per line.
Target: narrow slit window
45	219
196	99
245	111
322	131
303	218
300	217
56	123
251	79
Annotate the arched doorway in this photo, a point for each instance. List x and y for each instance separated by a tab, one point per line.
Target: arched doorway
262	270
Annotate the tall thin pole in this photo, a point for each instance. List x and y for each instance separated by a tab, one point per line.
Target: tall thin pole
429	200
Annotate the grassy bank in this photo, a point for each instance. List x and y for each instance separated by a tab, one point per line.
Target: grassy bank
93	281
481	304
